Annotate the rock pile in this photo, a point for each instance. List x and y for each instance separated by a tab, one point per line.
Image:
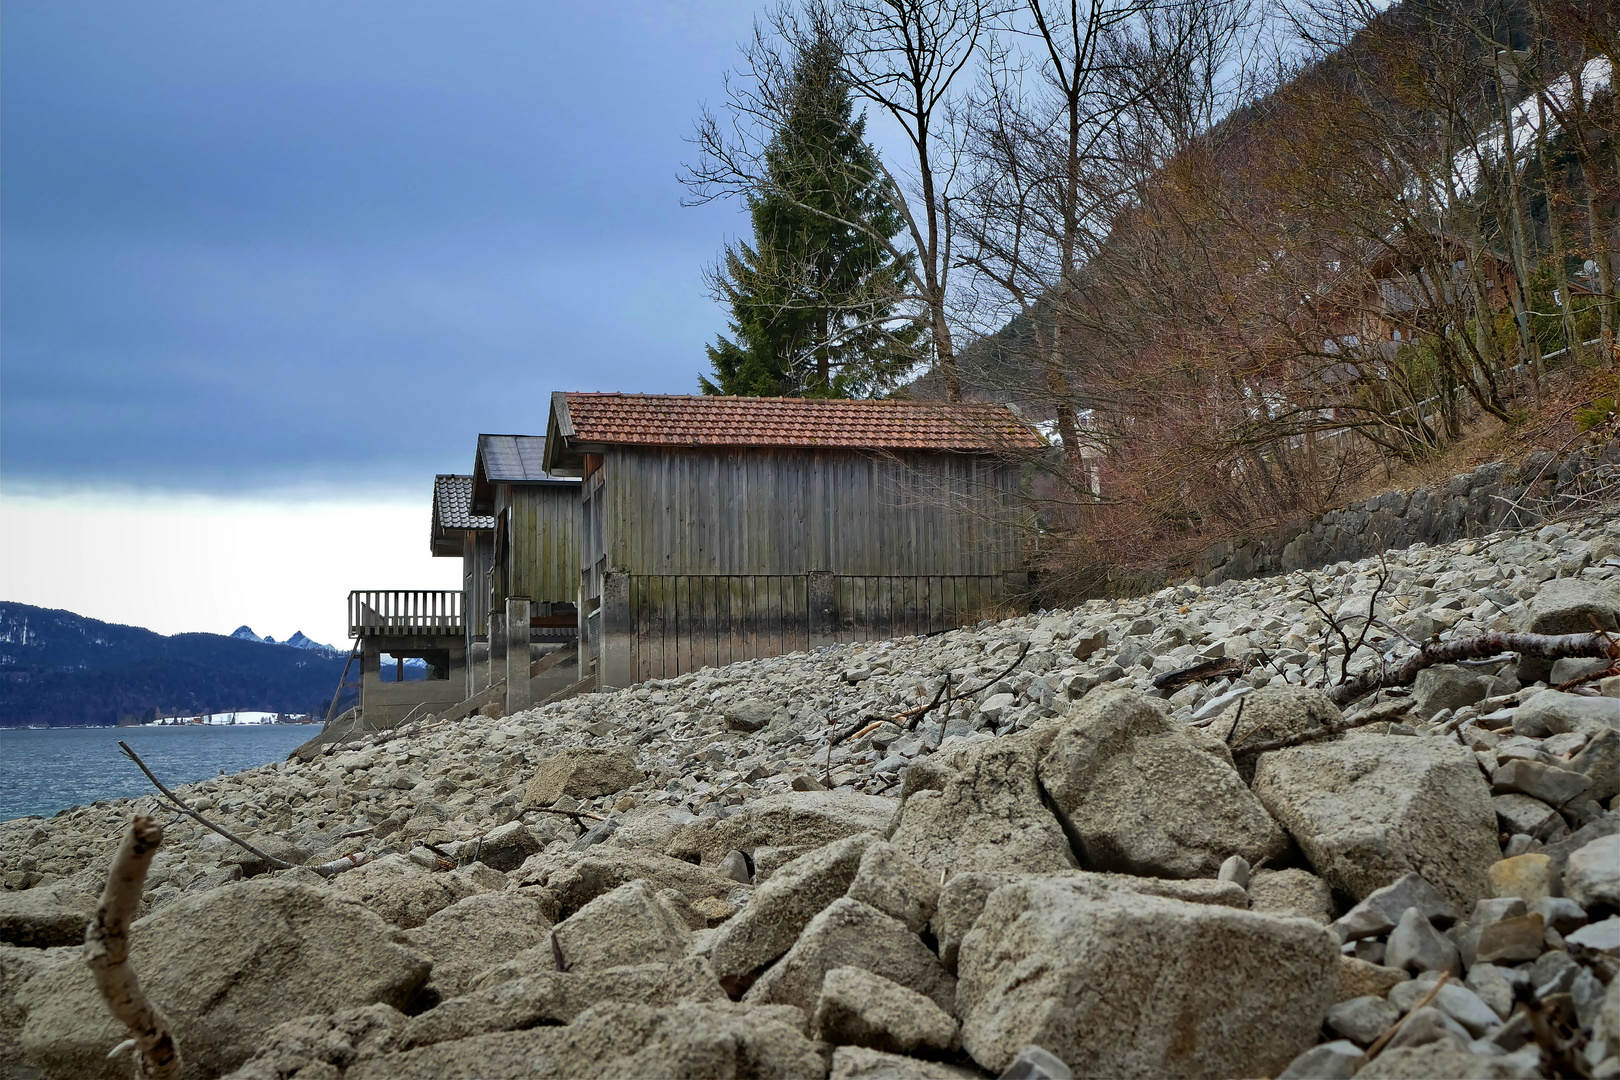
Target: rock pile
790	867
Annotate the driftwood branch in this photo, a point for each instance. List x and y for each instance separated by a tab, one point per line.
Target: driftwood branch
1547	646
337	866
914	716
347	862
1200	672
189	812
577	815
106	951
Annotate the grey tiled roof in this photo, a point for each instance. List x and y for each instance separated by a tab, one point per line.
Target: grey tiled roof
452	499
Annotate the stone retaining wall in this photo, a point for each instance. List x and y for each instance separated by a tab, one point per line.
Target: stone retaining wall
1492	497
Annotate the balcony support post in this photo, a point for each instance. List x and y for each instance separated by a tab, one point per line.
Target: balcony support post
517	654
497	646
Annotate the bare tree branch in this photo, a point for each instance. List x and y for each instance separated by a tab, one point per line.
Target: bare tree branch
106	951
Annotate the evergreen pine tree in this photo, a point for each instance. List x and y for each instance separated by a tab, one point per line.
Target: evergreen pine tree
813	299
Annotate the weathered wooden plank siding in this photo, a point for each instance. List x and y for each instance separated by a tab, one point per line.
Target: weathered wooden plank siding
681	623
734	513
545	542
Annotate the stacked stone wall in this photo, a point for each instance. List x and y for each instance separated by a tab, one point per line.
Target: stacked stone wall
1492	497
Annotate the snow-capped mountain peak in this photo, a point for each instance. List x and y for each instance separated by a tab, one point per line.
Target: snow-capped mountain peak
299	640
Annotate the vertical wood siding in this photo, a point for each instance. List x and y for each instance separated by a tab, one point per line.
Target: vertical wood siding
543	562
680	623
715	549
762	512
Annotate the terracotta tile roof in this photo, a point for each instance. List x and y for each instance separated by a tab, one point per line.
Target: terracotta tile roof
676	420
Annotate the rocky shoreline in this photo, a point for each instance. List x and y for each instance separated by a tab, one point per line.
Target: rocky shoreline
795	867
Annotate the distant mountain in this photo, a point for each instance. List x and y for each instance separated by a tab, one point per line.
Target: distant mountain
60	669
297	641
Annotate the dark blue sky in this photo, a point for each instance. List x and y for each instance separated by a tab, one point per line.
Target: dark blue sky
252	245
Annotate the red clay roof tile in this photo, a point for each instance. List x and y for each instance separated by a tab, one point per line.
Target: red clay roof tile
689	420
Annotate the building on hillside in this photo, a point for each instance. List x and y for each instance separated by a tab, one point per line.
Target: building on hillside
716	529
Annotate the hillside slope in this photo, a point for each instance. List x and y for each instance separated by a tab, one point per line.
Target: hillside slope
61	669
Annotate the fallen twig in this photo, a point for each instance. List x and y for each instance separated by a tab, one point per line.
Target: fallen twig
189	812
575	814
868	723
106	951
1546	646
914	716
337	866
1612	669
1216	668
1383	1040
348	862
1326	731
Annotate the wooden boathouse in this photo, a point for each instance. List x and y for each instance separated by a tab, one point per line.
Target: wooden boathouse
718	529
458	533
535	520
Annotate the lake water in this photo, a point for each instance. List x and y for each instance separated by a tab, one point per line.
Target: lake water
44	770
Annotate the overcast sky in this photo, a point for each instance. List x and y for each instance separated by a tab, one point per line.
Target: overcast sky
272	265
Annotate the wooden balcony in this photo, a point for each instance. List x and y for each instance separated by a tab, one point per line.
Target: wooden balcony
400	612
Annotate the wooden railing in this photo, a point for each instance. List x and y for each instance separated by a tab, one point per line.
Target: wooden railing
374	612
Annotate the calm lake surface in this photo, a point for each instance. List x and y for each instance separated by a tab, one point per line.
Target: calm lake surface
49	769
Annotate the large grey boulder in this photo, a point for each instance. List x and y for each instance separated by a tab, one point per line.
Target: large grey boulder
858	1008
1556	713
610	1040
633	924
1119	773
863	1063
1445	686
850	934
1272	712
1566	606
583	773
1370	809
226	966
770	922
544	995
567	881
1592	875
42	918
962	899
978	809
1135	986
806	819
325	1044
896	886
477	933
402	892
